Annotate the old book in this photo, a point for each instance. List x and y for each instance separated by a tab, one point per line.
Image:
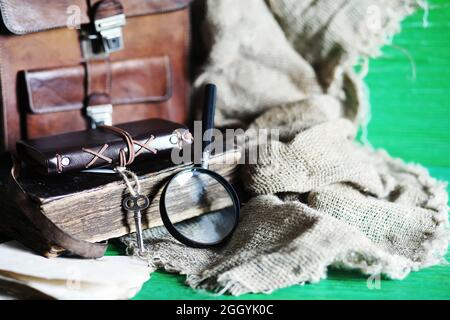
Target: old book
88	206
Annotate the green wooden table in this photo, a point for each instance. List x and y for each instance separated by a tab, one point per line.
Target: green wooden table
411	119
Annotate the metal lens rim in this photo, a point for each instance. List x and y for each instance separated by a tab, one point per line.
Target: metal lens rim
180	237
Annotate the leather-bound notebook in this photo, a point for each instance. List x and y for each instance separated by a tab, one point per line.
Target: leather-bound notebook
103	147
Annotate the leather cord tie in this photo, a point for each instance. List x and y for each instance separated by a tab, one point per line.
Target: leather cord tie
125	158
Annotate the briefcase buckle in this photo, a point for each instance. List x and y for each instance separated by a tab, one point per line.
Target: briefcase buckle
110	31
100	115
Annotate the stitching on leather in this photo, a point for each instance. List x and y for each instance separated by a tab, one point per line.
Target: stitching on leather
59	166
4	8
145	146
97	155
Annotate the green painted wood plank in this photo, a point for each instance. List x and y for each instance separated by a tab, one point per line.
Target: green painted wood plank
413	116
431	283
410	118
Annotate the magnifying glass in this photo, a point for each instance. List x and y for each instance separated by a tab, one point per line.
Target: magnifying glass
198	206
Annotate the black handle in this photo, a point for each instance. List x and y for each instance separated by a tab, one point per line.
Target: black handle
209	108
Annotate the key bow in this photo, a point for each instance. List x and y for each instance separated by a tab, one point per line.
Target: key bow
136	203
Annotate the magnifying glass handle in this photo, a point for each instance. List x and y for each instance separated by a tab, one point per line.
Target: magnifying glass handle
209	109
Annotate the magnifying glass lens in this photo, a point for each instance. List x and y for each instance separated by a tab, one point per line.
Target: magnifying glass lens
200	207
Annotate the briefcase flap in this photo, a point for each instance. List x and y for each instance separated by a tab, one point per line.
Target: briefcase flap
139	80
26	16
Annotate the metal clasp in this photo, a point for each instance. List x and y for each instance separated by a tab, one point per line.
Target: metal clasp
110	30
100	115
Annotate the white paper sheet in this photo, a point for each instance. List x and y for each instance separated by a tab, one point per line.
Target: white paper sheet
116	277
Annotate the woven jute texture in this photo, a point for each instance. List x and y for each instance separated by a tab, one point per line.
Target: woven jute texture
317	198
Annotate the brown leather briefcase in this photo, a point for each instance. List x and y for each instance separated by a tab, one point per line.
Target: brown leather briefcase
68	65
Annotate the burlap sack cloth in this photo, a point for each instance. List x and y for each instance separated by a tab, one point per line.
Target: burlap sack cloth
319	199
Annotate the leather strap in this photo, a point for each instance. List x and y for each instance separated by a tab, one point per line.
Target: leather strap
107	8
123	159
49	230
97	99
98	77
98	71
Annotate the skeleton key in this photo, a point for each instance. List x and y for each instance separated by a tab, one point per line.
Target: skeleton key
137	204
